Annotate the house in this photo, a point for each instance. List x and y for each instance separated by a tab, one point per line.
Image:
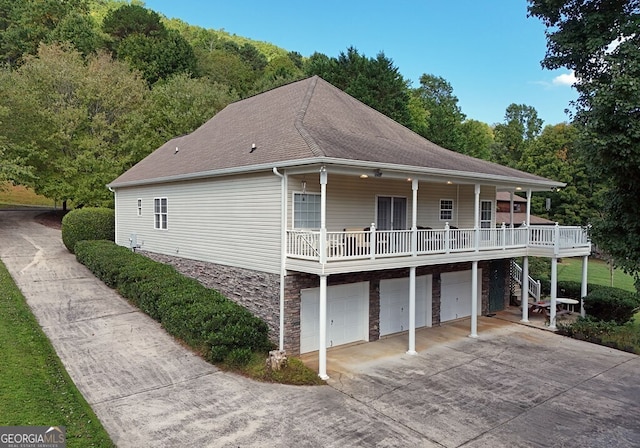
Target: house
513	208
338	224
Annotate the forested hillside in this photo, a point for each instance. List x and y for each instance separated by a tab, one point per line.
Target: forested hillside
92	86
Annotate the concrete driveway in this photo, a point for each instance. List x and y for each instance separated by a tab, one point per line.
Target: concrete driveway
515	386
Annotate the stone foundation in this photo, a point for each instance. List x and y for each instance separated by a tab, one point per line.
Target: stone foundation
258	292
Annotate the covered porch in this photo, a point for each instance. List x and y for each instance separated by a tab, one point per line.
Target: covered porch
412	220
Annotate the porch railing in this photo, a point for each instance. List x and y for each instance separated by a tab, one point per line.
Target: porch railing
373	243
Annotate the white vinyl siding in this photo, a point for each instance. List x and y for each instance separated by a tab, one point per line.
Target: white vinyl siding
232	220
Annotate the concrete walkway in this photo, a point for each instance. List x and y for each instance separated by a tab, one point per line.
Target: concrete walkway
515	386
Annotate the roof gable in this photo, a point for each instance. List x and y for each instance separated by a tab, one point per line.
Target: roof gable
308	119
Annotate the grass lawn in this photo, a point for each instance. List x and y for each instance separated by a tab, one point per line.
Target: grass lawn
35	389
597	273
18	195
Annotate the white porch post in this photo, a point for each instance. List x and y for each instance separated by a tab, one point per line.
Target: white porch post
554	293
583	285
512	224
528	207
474	300
511	209
322	247
414	217
524	292
322	349
476	222
412	311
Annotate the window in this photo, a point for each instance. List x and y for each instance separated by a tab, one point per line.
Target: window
392	213
139	207
306	211
160	213
486	214
446	209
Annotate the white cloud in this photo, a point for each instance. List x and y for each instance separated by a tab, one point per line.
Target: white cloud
565	79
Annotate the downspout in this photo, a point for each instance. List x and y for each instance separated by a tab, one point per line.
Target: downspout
283	250
115	213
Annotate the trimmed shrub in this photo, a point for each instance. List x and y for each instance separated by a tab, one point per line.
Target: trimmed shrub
567	288
588	329
611	304
238	357
88	224
201	317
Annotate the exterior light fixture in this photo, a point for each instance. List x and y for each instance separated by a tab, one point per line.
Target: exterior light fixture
364	176
449	182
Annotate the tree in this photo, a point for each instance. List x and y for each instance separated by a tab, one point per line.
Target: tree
520	128
225	68
476	139
279	71
176	106
554	155
140	39
81	31
374	81
26	23
600	42
444	114
67	120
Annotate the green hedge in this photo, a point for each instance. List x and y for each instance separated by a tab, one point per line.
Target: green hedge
88	224
201	317
567	288
611	304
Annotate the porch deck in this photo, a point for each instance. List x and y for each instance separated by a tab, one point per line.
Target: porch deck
327	247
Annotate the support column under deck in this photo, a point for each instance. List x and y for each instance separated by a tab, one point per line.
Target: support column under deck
474	300
322	349
583	285
412	311
554	293
524	290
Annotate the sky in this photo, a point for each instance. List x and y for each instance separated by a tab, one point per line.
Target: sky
488	50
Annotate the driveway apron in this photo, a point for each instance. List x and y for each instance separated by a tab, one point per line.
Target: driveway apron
515	386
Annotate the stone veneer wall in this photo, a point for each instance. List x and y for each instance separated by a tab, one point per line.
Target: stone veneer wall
259	292
295	282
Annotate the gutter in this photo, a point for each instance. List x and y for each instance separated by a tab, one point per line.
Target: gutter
471	177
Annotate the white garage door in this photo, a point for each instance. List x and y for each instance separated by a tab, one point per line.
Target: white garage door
347	315
455	294
394	304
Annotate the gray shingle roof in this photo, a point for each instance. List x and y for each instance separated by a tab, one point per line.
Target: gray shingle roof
308	119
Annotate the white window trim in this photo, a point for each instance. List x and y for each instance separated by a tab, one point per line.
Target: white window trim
440	209
166	221
293	208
